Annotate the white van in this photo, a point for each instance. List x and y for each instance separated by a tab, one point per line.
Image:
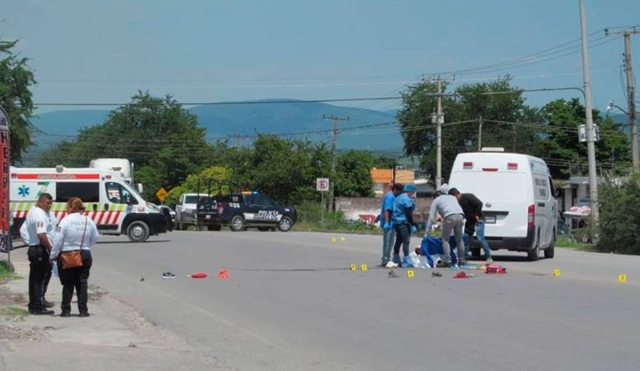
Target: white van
519	199
112	203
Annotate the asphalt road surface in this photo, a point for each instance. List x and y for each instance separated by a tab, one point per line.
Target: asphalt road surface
291	302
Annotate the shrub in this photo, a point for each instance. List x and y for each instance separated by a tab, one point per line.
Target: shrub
620	216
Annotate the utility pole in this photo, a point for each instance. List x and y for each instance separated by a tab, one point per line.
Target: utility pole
334	155
479	133
631	95
438	119
591	149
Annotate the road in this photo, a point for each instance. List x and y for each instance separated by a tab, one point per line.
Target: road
292	303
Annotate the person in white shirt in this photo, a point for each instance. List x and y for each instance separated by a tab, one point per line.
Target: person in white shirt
75	232
37	232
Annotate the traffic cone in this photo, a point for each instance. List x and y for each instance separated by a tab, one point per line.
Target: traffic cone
223	274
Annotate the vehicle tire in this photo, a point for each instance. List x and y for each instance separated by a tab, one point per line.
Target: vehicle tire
138	231
535	253
214	227
264	229
285	224
549	252
237	223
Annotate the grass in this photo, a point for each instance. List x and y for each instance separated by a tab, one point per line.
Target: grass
13	312
571	243
6	271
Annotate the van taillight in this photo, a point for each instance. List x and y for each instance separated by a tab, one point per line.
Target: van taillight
531	215
220	208
467	165
512	166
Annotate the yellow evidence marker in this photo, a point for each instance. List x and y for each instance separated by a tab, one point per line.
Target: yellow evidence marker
364	267
353	267
343	239
333	239
622	278
410	273
556	272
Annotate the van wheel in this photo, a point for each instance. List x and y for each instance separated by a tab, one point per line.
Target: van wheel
550	251
237	223
138	231
535	253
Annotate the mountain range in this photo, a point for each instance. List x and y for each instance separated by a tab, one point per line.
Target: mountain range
240	123
358	128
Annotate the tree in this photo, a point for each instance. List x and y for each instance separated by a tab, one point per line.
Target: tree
211	180
565	154
507	121
15	97
354	174
161	138
619	202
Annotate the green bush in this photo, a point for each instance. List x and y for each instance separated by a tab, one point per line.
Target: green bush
620	216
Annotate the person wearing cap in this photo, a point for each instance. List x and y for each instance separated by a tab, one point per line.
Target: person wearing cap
452	222
402	219
75	232
472	207
389	233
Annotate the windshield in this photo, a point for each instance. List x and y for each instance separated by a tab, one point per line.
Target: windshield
193	199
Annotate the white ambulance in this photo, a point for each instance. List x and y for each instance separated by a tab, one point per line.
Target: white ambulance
114	205
519	199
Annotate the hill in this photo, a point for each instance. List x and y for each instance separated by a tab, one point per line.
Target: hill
365	129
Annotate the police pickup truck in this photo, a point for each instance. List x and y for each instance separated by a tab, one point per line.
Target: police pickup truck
242	210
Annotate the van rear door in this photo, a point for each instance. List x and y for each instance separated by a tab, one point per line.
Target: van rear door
505	193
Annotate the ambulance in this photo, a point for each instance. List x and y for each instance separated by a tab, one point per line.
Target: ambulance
520	207
113	204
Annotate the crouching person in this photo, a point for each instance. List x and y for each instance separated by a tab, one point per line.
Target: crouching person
72	249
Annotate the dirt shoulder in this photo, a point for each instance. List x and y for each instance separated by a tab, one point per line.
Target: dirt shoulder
115	334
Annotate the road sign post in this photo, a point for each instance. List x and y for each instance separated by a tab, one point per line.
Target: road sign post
322	185
5	210
161	194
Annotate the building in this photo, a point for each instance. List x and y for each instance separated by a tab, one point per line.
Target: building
383	177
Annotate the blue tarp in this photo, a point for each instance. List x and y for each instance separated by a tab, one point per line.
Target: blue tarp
432	246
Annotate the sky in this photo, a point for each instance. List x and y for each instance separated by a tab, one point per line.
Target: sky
96	51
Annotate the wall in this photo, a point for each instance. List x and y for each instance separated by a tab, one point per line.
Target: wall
367	209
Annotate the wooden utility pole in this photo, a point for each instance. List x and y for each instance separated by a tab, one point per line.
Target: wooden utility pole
334	155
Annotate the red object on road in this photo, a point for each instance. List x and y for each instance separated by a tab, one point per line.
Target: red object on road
223	274
495	269
462	274
199	275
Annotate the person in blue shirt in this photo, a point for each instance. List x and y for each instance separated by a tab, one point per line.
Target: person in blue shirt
402	219
389	233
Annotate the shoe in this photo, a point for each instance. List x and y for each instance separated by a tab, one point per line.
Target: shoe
65	314
48	304
84	314
41	312
391	264
489	261
168	275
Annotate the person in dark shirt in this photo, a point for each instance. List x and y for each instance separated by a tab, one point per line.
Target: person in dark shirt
472	207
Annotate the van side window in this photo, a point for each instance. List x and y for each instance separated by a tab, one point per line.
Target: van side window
117	194
551	188
87	192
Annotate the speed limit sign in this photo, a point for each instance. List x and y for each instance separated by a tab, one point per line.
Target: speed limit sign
322	184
